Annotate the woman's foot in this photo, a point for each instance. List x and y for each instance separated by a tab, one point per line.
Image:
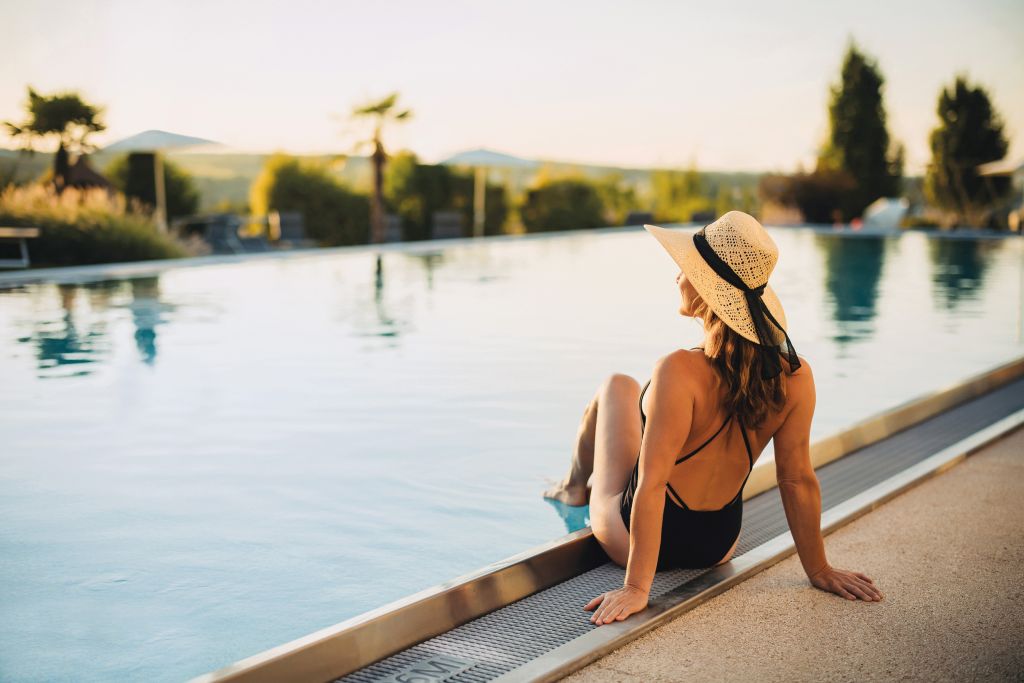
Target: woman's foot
569	492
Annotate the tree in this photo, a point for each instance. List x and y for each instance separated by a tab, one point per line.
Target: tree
858	142
679	194
133	175
64	115
563	205
970	132
380	113
618	197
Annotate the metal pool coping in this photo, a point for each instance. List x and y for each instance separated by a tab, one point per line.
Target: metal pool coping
522	618
591	646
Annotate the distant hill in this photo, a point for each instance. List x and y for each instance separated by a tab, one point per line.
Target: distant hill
223	180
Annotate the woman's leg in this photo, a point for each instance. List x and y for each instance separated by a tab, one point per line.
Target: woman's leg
573	489
617	438
728	555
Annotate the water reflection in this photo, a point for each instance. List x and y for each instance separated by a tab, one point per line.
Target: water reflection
958	269
429	260
147	313
378	320
66	345
78	336
853	268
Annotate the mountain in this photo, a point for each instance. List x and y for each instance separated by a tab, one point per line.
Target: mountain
489	158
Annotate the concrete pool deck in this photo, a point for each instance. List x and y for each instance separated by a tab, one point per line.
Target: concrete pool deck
947	555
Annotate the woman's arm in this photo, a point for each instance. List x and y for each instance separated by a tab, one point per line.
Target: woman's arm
668	425
801	497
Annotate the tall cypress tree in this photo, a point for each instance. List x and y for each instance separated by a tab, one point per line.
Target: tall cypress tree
858	141
970	132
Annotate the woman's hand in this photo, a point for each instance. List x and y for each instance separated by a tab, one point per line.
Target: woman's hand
616	605
850	585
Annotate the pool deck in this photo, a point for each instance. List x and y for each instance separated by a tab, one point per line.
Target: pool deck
947	555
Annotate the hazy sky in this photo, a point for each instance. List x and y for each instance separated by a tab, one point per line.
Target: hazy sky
739	85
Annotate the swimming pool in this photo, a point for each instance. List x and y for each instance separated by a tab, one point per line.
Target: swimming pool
202	463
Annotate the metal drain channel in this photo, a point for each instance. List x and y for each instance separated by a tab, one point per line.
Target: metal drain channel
546	634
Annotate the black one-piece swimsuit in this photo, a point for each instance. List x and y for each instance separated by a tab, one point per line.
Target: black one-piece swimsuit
691	538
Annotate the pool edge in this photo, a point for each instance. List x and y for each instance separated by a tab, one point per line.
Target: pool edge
351	644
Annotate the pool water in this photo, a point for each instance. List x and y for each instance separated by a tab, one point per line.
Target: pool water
206	462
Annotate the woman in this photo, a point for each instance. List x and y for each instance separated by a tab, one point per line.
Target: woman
669	460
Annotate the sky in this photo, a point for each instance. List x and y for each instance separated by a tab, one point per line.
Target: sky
725	86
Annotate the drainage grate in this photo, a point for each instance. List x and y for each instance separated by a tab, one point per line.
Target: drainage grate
507	638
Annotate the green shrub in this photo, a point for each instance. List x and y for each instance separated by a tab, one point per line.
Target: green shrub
133	175
84	226
821	195
818	195
333	214
563	205
415	191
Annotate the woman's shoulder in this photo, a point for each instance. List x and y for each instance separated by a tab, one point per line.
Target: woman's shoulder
681	358
803	373
690	363
800	389
682	365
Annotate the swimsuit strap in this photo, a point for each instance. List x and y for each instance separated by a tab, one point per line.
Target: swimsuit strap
690	455
643	418
746	442
682	503
750	460
706	442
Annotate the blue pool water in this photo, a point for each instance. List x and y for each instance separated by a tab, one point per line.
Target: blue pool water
203	463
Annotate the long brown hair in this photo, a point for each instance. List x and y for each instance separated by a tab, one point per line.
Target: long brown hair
738	363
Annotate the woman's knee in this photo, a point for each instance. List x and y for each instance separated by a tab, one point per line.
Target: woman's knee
619	383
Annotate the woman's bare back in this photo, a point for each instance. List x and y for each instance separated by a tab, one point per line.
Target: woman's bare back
710	479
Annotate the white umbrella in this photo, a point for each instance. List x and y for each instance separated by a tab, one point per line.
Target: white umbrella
156	141
482	160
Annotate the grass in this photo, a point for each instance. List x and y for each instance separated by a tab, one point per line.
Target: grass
84	226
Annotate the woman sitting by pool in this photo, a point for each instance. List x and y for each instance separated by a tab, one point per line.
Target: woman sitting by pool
671	495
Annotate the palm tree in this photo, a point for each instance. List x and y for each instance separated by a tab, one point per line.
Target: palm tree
65	115
381	113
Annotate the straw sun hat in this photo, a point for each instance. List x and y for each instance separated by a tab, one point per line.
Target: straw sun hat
728	262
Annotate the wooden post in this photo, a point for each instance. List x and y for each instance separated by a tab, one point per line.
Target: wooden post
479	199
161	192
